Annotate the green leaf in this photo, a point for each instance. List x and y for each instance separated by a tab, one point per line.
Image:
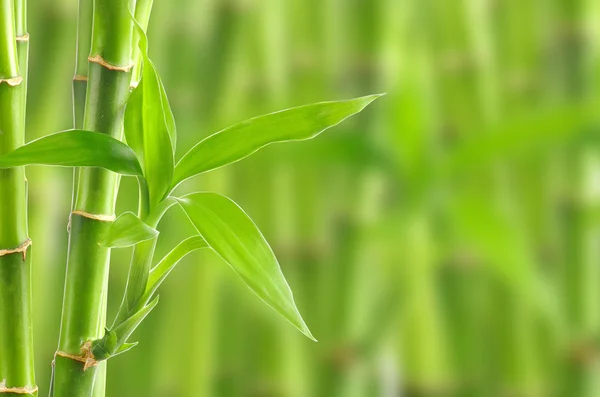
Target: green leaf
115	341
127	230
169	117
235	238
150	128
76	148
241	140
160	272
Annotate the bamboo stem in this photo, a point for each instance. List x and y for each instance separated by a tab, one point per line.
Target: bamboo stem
16	337
86	285
84	41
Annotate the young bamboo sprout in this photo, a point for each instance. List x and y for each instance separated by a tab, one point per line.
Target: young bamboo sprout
85	342
16	338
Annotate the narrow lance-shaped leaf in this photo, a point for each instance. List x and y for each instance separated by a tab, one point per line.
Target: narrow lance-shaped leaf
235	238
127	230
76	148
168	263
114	341
241	140
149	128
160	272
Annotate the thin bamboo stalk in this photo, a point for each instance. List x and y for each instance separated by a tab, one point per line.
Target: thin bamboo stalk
16	337
84	302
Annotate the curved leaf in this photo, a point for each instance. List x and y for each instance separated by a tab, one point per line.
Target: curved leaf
149	128
168	263
235	238
76	148
127	230
160	272
241	140
114	341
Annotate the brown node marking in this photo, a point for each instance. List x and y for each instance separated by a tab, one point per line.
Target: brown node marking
18	390
79	77
20	249
13	81
97	217
100	61
24	37
86	357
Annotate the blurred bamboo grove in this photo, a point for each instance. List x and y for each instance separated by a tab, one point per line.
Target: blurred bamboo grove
444	243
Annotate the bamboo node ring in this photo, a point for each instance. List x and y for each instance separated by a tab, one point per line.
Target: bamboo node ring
13	81
17	390
22	249
86	357
102	62
97	217
24	37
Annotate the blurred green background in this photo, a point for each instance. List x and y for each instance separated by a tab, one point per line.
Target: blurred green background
445	242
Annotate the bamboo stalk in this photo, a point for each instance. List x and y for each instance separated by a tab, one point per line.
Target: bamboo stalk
84	40
16	338
84	303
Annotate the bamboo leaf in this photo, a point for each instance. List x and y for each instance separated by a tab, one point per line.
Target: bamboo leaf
235	238
76	148
115	341
127	230
160	272
150	128
168	113
241	140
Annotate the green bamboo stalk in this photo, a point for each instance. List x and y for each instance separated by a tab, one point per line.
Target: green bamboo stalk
84	303
84	41
16	337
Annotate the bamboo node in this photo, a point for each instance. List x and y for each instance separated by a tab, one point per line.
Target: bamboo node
79	77
97	217
17	390
13	81
24	37
100	61
22	249
86	357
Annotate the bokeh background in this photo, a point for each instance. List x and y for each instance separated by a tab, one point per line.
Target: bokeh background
445	242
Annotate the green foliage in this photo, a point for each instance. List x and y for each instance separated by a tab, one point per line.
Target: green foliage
76	148
222	225
235	238
241	140
114	341
150	129
160	272
127	230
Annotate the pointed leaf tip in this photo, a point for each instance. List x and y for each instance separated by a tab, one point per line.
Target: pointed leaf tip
233	236
127	230
241	140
